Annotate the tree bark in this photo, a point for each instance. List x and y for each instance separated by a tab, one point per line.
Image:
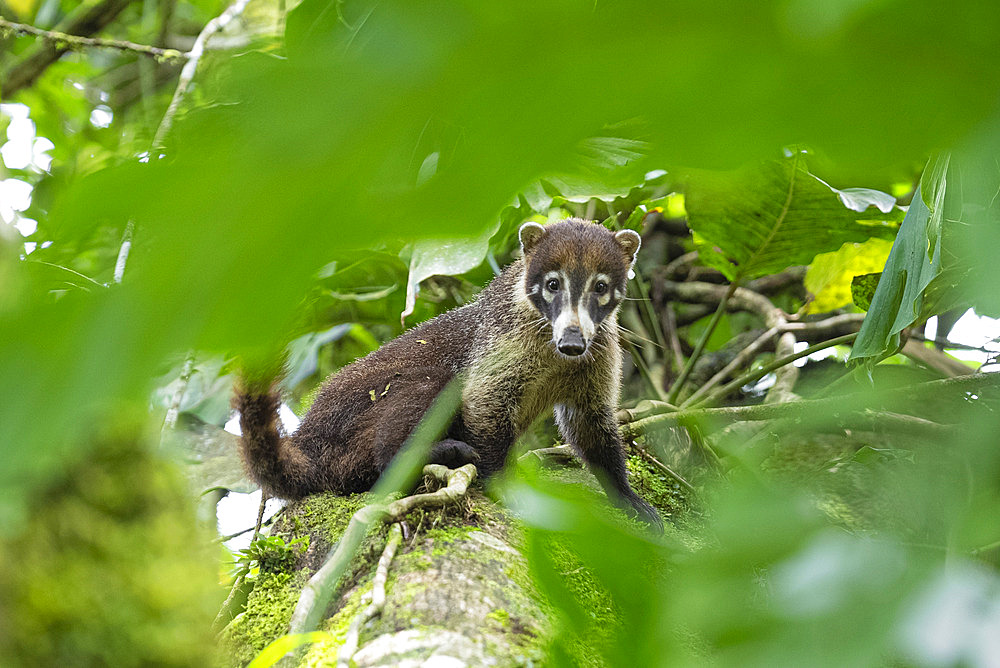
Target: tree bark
458	588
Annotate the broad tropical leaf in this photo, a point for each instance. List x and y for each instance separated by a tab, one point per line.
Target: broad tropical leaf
766	218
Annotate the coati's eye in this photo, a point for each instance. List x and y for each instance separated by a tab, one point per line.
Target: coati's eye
552	284
600	287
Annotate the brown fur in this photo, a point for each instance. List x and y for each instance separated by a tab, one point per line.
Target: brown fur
502	347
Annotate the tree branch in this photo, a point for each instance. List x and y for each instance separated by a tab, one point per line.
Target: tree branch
89	18
316	593
68	42
830	408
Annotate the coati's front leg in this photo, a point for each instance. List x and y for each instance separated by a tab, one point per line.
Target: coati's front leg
593	432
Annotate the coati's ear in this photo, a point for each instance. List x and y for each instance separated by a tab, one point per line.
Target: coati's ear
629	241
529	234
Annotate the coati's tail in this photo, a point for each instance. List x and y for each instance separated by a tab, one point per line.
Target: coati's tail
273	461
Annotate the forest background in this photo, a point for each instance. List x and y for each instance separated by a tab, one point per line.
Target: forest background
186	182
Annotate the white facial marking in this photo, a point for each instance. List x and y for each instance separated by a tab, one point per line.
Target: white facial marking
619	294
534	289
604	298
549	295
586	324
567	318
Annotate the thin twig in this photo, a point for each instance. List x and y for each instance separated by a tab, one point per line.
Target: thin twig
191	66
755	375
87	18
742	358
664	468
268	522
675	341
72	271
700	346
77	42
260	515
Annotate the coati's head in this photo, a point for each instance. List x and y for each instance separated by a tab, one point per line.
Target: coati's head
575	274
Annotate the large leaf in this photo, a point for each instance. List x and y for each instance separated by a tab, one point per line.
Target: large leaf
912	263
830	274
443	257
765	218
946	250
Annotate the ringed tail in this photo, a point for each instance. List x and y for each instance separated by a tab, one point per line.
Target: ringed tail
273	461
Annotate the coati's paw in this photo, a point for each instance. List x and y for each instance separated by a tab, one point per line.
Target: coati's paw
646	513
453	453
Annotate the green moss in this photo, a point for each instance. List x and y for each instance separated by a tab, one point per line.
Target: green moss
325	514
666	495
501	617
441	538
268	612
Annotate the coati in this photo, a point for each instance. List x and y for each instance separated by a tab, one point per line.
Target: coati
542	334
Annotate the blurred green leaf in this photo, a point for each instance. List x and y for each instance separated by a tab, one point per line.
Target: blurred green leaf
274	652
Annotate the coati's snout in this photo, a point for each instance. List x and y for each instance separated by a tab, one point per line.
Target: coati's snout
574	291
572	343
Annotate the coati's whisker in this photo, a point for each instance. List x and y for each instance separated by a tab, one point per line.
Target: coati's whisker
640	337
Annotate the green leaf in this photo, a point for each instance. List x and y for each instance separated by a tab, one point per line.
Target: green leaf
830	275
863	289
273	653
765	218
897	300
444	257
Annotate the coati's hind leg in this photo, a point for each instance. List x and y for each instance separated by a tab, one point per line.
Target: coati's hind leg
410	395
453	453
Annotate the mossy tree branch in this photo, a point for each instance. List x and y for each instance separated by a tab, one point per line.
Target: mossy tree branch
317	592
67	41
